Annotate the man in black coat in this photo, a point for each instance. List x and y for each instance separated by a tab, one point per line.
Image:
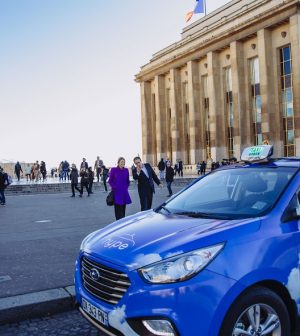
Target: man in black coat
74	179
18	170
146	177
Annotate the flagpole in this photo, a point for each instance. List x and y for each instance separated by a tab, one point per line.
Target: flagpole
204	7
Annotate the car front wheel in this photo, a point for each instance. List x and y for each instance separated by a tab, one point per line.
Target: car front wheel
258	312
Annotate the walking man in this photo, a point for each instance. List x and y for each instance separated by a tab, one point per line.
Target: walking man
146	177
65	170
18	170
98	167
161	167
74	180
169	177
84	182
43	170
84	165
203	168
180	168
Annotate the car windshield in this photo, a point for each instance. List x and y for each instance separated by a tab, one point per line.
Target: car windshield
232	193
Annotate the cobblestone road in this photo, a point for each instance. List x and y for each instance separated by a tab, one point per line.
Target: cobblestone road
64	324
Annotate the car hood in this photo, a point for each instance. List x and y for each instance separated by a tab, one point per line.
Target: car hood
148	237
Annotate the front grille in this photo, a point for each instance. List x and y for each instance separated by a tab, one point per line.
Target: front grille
111	284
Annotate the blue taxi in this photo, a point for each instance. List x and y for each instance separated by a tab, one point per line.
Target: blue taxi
220	258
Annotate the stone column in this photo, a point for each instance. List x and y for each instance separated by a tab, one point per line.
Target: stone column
194	97
148	154
160	109
270	114
184	133
176	113
295	50
216	107
242	120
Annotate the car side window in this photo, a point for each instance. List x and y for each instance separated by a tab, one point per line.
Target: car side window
292	211
295	203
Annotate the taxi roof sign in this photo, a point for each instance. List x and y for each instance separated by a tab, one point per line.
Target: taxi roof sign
257	153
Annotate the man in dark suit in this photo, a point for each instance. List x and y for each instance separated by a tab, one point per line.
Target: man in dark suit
146	177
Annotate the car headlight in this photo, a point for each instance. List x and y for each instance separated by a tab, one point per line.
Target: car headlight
181	267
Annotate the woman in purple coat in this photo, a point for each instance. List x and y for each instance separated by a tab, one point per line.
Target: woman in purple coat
119	182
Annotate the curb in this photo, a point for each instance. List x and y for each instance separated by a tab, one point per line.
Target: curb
38	304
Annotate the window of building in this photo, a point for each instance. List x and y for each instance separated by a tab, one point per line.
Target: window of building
169	124
256	101
186	122
154	141
286	80
229	111
206	116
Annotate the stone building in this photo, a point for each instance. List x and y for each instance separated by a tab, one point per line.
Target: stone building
233	80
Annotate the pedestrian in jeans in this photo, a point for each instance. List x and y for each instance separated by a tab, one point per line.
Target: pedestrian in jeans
3	184
119	182
169	177
74	179
161	167
65	170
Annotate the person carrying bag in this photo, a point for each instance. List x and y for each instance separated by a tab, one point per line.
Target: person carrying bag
119	182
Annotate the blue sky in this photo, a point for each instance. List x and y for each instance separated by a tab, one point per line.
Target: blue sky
67	70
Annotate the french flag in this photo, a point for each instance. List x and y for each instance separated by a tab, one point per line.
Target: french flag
199	8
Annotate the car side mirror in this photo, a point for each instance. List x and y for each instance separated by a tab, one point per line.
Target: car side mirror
290	214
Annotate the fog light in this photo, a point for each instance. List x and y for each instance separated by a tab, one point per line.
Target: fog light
159	327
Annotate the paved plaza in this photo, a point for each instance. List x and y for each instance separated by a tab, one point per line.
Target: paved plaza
40	237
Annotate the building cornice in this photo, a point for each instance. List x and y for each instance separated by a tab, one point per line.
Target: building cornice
218	30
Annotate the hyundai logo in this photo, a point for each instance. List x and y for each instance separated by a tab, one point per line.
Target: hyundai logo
94	273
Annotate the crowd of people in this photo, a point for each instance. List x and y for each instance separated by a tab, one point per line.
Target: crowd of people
82	178
35	173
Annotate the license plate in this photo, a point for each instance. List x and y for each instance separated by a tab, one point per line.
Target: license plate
96	313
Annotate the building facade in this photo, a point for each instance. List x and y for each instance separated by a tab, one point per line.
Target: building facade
232	81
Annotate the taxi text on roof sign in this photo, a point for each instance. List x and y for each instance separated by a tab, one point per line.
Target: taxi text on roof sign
257	153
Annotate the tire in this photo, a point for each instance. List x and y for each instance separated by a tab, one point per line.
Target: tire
250	312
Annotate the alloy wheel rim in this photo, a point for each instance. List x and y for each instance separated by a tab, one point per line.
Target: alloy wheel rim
258	320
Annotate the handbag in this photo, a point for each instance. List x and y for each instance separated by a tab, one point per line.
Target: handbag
110	199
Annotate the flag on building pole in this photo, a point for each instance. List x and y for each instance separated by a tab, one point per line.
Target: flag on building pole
199	8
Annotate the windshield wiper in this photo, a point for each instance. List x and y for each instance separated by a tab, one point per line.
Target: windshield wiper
164	208
195	214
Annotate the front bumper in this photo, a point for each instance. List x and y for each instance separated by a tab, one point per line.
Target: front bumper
194	307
